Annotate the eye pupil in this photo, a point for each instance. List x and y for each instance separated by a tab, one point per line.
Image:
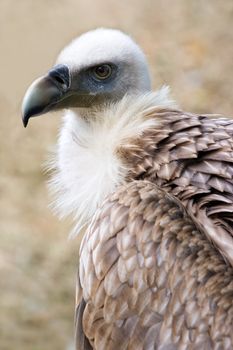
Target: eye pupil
103	71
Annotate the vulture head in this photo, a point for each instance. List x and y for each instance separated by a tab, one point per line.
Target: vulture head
102	82
98	67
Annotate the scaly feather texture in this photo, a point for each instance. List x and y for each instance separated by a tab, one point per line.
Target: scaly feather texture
156	263
191	157
150	279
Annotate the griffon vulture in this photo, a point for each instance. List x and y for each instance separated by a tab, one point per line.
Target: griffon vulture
154	187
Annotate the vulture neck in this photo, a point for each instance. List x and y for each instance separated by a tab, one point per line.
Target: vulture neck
88	165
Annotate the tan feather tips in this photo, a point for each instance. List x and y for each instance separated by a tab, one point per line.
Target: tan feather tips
150	278
81	340
190	156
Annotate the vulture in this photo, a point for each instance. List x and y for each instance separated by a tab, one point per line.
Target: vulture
152	186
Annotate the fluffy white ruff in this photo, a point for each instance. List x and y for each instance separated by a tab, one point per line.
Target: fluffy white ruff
85	166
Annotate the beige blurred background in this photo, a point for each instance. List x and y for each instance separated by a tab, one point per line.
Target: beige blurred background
189	45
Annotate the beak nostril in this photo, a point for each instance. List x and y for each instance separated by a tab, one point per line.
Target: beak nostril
59	79
60	74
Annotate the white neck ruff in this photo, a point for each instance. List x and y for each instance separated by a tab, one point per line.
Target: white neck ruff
85	167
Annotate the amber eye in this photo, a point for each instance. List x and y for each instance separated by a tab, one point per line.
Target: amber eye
102	72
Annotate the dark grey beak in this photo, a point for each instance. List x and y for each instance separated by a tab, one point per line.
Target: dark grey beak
46	92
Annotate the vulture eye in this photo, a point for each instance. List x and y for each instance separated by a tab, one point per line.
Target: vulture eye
102	72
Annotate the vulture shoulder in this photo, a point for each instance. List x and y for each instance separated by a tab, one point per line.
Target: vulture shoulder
191	157
149	278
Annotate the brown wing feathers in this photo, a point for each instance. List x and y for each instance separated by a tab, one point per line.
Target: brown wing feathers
154	276
82	343
151	279
190	156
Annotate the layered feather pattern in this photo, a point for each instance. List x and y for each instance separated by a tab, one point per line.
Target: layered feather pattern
150	277
190	156
156	263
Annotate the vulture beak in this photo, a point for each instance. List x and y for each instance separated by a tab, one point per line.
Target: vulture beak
46	92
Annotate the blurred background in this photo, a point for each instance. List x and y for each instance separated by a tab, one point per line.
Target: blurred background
189	45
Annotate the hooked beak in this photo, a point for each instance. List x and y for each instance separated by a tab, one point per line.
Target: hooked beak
46	92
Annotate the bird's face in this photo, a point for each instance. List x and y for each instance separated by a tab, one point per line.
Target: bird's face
99	67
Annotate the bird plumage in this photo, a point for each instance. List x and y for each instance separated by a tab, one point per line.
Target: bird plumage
154	187
190	156
149	277
183	160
